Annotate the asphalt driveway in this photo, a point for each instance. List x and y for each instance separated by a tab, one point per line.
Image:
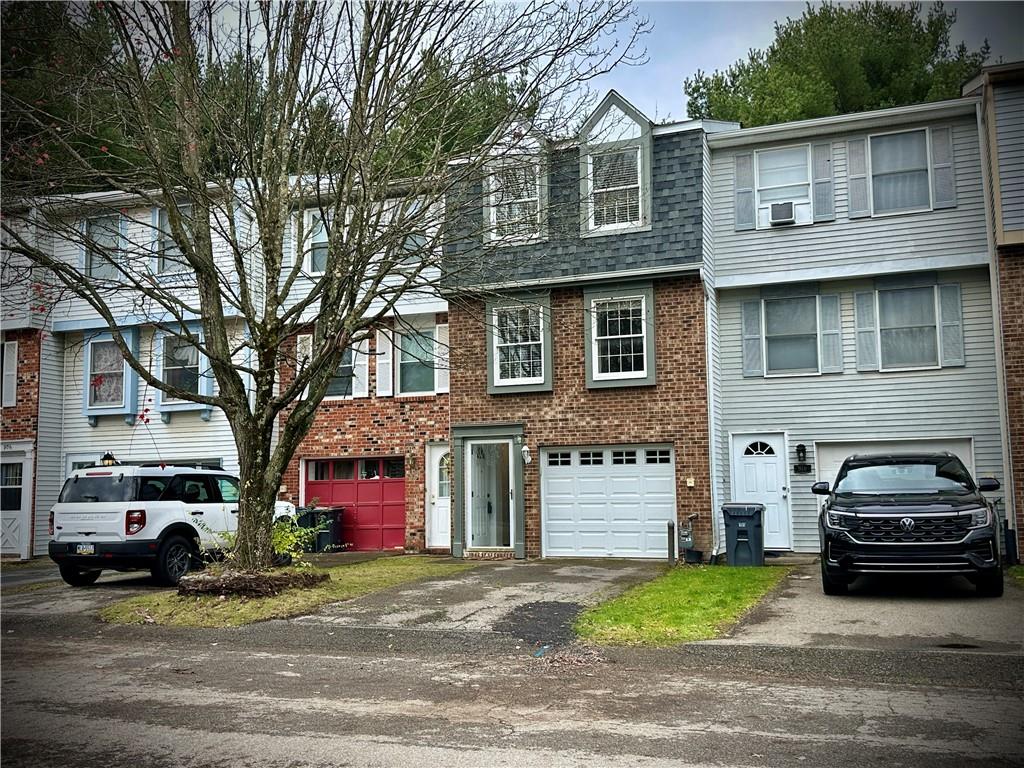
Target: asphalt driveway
886	614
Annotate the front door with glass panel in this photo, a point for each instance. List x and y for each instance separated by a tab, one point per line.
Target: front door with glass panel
489	507
439	494
759	477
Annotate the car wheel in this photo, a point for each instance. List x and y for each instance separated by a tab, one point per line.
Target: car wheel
77	577
831	585
990	584
173	560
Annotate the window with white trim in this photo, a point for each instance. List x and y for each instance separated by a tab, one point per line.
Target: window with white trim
170	256
658	456
11	485
103	232
784	176
791	335
615	188
106	374
899	172
560	459
908	333
624	457
180	366
416	361
518	345
591	458
340	384
515	201
619	337
317	259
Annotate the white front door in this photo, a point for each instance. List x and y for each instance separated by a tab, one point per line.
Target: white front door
759	476
439	497
16	502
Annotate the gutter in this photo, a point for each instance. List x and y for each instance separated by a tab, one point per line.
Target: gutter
596	277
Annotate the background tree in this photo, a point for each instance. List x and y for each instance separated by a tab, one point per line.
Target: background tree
837	59
235	118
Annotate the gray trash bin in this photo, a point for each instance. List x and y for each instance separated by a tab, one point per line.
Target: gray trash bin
744	534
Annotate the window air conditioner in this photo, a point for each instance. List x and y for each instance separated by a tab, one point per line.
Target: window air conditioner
781	213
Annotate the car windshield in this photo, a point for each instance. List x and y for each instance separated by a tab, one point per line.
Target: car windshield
91	489
941	474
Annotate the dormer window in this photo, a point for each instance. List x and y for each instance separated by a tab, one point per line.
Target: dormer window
515	201
615	168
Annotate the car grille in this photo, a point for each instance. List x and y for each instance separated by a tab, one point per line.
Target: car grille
887	530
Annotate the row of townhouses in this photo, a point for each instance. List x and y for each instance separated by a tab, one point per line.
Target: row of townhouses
723	314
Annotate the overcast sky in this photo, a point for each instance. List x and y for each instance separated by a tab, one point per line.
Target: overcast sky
688	36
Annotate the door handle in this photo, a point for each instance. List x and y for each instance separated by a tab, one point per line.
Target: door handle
233	511
195	511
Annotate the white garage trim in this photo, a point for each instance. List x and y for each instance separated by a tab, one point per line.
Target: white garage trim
827	471
619	507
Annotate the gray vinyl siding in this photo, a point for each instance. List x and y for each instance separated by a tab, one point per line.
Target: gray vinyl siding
845	247
1009	108
49	476
949	402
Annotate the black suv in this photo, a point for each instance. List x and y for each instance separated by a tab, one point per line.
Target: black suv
908	513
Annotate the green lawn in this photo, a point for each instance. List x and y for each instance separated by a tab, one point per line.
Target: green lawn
686	603
346	582
1016	572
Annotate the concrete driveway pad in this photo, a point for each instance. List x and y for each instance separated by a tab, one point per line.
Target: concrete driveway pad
886	614
535	601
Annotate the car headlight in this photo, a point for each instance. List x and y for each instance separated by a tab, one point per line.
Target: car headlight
839	520
981	517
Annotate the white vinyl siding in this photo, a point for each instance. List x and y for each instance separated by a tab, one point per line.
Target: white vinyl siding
865	405
52	404
845	247
1009	129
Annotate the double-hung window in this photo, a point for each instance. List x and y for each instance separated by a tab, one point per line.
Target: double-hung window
416	361
908	332
103	240
341	383
615	183
106	375
180	366
619	337
791	335
317	257
784	176
171	258
899	172
518	345
515	201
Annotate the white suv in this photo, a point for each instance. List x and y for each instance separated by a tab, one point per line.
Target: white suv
126	517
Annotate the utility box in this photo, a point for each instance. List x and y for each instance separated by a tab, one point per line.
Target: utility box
744	533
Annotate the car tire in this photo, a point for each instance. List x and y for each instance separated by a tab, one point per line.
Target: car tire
830	585
78	577
990	584
173	560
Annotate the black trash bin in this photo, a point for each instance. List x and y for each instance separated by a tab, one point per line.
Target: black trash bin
744	533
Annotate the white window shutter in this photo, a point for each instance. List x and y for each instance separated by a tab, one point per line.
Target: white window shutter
361	369
867	339
744	186
943	172
441	364
857	178
10	374
385	365
753	364
951	320
303	353
831	334
824	197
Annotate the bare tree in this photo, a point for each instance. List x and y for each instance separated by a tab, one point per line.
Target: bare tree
301	154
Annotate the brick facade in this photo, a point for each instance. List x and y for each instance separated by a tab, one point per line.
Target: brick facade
21	421
672	411
1011	297
376	427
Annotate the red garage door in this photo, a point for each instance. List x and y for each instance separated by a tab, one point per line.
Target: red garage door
371	493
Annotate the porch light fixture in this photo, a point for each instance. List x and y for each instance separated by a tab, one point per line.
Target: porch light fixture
108	460
801	452
527	458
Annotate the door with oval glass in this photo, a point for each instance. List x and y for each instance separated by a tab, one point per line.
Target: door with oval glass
759	475
439	494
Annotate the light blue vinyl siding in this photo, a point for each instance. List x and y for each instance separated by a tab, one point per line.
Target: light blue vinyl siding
947	402
847	247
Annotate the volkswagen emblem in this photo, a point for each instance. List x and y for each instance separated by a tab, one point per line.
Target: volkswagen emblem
907	524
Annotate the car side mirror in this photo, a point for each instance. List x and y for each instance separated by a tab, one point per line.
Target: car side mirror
988	484
820	488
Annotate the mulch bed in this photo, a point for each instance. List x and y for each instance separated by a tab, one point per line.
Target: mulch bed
248	584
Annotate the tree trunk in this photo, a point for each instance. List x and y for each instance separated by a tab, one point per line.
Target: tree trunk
258	492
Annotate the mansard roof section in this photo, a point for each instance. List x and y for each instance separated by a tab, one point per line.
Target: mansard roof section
615	121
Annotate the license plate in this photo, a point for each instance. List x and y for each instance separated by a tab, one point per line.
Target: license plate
85	549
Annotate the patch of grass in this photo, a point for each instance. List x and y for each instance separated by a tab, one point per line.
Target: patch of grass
1016	572
18	589
686	603
346	582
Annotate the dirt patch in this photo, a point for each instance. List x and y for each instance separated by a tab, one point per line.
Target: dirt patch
541	623
243	584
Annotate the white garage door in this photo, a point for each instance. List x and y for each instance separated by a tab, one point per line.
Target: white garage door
611	501
831	455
